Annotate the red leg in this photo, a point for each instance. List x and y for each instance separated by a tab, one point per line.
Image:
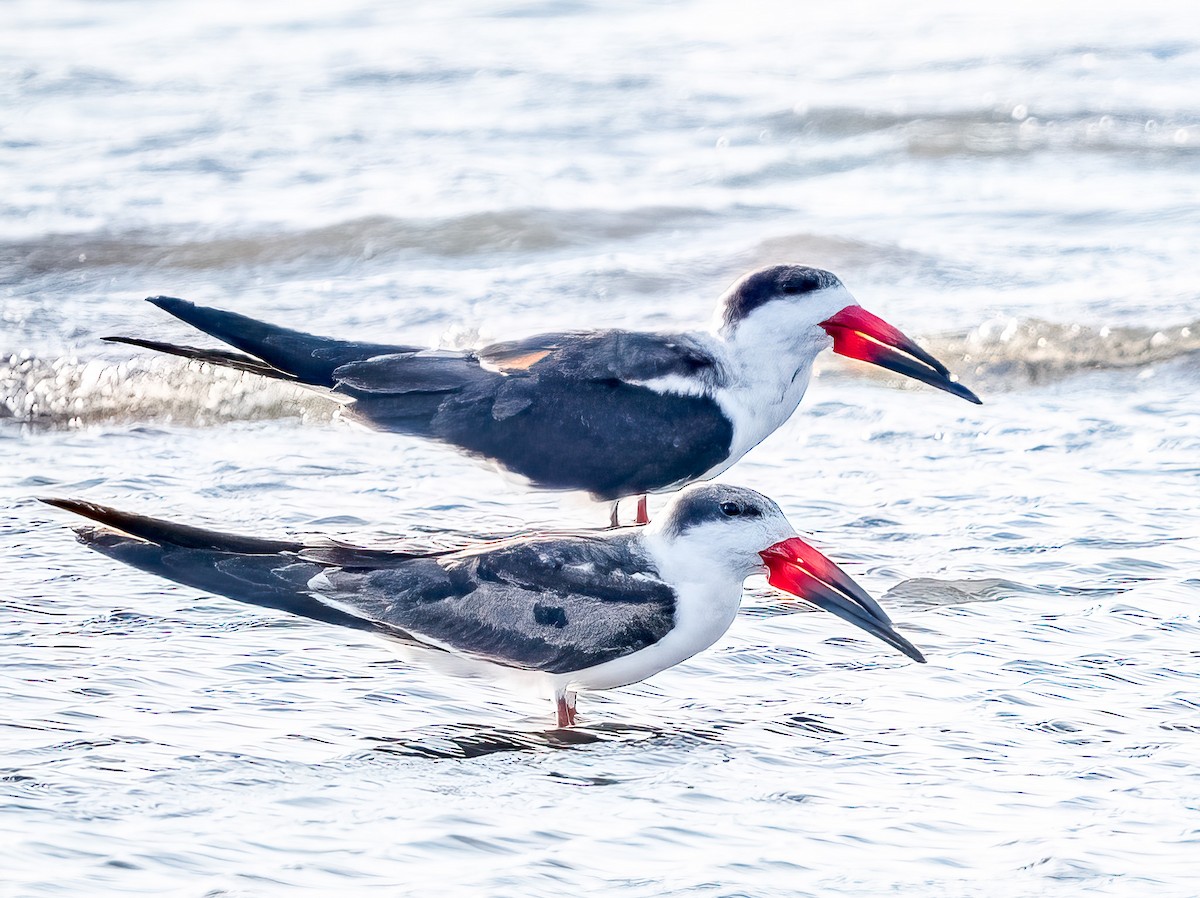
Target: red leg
564	707
643	513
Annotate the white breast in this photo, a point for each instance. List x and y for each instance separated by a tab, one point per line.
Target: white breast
764	391
707	598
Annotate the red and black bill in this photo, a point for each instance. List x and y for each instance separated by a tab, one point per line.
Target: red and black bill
796	567
858	334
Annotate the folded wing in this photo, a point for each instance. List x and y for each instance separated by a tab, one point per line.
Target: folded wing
551	603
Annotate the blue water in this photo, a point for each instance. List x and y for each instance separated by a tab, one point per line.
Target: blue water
1018	187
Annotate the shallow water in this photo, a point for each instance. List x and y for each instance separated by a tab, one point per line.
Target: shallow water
1018	188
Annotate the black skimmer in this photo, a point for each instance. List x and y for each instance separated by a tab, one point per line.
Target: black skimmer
615	413
577	611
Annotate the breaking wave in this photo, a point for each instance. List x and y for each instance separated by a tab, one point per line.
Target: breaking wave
999	354
1009	351
69	392
1008	130
511	230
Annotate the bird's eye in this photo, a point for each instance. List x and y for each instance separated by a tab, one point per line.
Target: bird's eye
731	509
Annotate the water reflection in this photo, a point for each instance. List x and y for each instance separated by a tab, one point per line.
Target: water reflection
467	741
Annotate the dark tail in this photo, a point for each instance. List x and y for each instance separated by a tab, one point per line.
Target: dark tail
271	350
213	356
249	569
166	533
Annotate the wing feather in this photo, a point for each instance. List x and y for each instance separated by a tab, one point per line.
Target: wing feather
555	605
629	356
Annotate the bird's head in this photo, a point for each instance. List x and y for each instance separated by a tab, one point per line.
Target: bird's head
808	306
740	532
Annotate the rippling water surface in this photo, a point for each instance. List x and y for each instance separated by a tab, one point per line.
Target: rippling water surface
1017	185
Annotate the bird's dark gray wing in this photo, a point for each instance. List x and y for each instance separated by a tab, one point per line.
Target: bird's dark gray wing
393	553
555	604
568	411
427	371
628	356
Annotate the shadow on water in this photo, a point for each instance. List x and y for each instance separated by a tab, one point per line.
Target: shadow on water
462	742
467	741
927	591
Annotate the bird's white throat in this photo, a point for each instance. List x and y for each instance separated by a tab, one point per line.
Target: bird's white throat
768	363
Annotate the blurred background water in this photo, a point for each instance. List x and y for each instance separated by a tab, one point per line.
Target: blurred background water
1018	185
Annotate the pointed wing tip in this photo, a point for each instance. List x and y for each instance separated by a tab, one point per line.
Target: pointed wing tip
166	302
126	341
139	343
58	502
80	507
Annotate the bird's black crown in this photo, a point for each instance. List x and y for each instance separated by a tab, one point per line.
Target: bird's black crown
714	502
777	282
